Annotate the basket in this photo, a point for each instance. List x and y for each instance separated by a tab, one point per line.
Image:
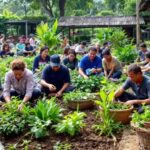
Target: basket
143	136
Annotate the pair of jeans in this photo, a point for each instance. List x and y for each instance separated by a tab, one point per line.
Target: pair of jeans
47	91
35	94
115	75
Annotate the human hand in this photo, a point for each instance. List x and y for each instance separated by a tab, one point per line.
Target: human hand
58	94
20	107
52	87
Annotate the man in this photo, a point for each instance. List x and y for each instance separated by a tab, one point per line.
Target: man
112	67
19	81
139	84
90	64
55	78
80	49
142	52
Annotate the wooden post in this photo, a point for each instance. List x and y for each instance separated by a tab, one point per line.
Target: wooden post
69	35
26	28
137	23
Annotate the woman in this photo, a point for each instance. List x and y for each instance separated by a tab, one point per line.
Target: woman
19	81
42	59
71	61
6	51
112	67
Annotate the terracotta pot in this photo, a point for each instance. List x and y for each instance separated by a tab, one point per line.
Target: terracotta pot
122	116
83	104
143	136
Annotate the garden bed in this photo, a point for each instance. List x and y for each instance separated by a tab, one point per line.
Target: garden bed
87	139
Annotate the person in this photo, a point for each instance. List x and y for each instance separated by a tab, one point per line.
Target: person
106	45
90	64
65	53
99	50
112	67
142	52
55	78
80	49
65	42
29	50
71	61
6	51
20	47
146	68
42	59
19	82
32	41
2	39
140	85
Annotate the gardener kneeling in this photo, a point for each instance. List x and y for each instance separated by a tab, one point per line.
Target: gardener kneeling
55	78
140	84
19	81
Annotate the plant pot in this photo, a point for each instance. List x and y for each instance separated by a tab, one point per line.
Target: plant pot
143	136
83	104
122	116
147	125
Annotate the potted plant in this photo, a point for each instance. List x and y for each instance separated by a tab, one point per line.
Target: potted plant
141	124
81	100
118	111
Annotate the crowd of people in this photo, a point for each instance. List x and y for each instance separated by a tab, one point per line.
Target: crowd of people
55	79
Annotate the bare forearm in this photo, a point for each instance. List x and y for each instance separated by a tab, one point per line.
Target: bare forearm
43	83
26	99
82	73
65	86
7	99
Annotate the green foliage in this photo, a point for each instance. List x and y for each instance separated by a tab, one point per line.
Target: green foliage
140	119
62	146
78	96
11	121
106	13
92	84
47	35
107	126
43	115
9	15
126	54
71	124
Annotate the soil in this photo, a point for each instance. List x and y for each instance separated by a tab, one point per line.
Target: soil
86	140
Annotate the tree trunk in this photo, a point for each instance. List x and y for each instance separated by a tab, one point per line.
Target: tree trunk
62	7
47	7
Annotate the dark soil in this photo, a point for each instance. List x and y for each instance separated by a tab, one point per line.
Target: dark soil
86	140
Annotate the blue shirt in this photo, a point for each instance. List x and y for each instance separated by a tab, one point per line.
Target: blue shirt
86	63
57	78
39	61
142	91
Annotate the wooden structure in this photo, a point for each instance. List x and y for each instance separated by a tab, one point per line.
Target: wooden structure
25	26
128	23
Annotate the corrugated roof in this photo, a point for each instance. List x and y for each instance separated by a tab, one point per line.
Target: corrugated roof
81	21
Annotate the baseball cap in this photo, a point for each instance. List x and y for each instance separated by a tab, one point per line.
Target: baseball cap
55	60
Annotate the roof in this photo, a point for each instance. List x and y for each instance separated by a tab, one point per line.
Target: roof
92	21
21	22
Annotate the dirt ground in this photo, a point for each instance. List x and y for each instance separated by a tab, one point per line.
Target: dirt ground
86	140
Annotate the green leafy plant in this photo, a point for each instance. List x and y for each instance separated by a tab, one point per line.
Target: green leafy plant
71	124
139	119
78	96
43	115
126	54
108	126
47	35
92	84
12	121
62	146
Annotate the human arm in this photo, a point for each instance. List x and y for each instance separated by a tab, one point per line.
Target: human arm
81	72
59	93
